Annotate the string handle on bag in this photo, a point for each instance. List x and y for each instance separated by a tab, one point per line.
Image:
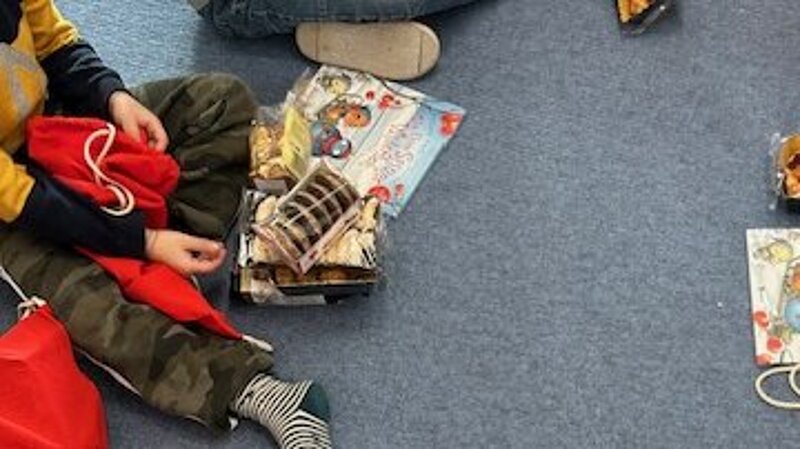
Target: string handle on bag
124	196
792	372
28	304
258	343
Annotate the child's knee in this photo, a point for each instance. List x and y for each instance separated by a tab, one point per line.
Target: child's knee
227	87
216	102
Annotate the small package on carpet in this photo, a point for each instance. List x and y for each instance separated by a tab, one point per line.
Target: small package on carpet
268	172
786	169
280	143
635	16
349	266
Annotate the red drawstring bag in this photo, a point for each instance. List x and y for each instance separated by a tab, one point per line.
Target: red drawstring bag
45	400
92	158
119	173
164	289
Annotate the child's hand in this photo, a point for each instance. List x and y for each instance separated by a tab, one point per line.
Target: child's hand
184	253
137	121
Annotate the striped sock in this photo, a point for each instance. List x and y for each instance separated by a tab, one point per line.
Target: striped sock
295	413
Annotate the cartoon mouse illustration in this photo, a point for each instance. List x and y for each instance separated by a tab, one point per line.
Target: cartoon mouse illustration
336	84
327	140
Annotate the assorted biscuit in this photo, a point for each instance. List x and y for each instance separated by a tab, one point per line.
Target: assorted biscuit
266	162
305	221
789	162
628	9
355	248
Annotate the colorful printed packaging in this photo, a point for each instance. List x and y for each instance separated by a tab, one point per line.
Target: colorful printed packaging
774	265
382	136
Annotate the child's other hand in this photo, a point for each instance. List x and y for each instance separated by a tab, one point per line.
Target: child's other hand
137	121
184	253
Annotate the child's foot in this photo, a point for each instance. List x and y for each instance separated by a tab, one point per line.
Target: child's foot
392	50
295	413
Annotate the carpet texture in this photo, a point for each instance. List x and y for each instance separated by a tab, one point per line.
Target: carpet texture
572	273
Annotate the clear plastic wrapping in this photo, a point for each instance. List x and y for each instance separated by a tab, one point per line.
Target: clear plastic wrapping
635	16
267	169
356	247
280	143
350	266
786	170
310	217
307	234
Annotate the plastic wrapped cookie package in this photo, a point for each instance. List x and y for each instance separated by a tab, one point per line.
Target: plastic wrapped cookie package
349	265
635	16
355	247
280	143
785	156
307	219
267	169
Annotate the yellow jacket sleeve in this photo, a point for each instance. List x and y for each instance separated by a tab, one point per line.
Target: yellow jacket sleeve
49	28
15	187
40	205
77	77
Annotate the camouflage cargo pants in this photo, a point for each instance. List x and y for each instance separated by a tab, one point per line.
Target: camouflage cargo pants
178	369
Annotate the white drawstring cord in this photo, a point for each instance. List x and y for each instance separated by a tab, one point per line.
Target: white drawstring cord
792	372
258	343
126	201
27	304
793	379
5	276
26	308
124	196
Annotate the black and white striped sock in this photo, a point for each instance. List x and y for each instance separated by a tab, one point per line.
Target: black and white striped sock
295	413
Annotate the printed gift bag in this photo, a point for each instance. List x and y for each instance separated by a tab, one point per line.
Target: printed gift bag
382	136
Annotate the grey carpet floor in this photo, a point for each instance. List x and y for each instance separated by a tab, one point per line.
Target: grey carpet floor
572	272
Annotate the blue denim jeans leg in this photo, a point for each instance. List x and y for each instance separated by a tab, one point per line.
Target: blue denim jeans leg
260	18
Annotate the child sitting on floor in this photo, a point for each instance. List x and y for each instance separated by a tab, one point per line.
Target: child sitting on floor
202	121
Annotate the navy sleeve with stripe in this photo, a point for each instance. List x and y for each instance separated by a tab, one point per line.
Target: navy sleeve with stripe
80	81
60	215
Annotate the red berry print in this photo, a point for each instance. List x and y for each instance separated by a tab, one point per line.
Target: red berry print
761	318
381	192
449	123
370	95
774	344
451	117
386	102
763	359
